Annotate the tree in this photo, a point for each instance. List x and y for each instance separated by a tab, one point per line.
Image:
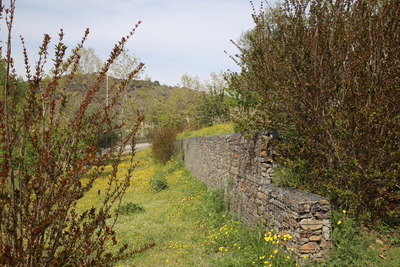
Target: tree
48	161
124	65
327	75
89	62
188	81
121	67
215	105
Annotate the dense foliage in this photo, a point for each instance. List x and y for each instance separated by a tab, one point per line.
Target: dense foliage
325	74
48	160
164	143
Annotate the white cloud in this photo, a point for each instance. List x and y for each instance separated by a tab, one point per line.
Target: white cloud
176	36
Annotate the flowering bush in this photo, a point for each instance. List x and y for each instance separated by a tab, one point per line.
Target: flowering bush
48	160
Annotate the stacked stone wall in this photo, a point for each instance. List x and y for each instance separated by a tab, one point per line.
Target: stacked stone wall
243	165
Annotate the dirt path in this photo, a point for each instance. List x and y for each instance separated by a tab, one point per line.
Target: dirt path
138	147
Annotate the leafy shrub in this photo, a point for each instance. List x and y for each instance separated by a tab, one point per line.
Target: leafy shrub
164	143
130	208
158	181
106	140
289	174
326	74
214	108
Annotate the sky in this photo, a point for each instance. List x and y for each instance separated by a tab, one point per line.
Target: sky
175	37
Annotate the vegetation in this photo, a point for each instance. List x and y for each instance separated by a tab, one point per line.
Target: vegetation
48	160
189	225
158	181
130	208
164	143
325	75
219	129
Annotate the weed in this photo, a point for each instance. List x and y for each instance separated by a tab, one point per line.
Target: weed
130	208
158	182
352	245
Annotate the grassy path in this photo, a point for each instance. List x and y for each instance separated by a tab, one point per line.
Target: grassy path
188	223
190	226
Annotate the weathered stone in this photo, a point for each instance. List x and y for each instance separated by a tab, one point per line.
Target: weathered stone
305	216
311	224
322	215
327	222
303	241
303	208
315	238
326	233
310	247
316	208
318	255
305	233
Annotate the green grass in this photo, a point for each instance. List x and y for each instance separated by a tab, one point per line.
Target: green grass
188	223
220	129
357	245
191	227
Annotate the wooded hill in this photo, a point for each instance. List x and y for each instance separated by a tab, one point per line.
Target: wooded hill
160	104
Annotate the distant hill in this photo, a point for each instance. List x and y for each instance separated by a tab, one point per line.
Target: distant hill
160	104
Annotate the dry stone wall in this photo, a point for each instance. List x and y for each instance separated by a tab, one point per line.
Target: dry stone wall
243	165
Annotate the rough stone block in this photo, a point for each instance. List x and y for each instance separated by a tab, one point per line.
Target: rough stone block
305	233
322	215
315	238
310	247
326	233
311	224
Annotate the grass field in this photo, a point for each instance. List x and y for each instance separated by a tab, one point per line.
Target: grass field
190	226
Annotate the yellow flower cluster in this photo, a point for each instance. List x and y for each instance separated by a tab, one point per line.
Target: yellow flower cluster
276	238
215	235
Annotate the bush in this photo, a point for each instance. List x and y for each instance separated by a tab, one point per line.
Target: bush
327	76
107	140
164	143
158	182
48	161
130	208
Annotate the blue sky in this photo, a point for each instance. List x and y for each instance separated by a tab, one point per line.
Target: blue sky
176	36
